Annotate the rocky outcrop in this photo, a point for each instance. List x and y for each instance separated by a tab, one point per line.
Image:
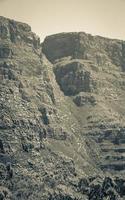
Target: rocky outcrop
84	99
98	188
73	78
16	32
100	50
5	51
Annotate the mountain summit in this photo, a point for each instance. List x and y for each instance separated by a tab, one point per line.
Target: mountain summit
62	115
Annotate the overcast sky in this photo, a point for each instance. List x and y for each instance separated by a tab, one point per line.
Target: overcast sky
46	17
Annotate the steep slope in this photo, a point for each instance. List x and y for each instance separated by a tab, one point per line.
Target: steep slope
90	70
39	136
62	115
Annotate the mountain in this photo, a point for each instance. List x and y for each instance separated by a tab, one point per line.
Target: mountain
62	115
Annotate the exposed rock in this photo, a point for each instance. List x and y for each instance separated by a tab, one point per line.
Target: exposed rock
62	121
84	46
5	51
5	194
1	147
100	188
63	45
2	171
84	99
73	78
9	171
17	32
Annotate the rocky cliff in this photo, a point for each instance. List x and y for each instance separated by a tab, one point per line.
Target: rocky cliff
62	121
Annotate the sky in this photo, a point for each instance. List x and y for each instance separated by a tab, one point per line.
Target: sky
46	17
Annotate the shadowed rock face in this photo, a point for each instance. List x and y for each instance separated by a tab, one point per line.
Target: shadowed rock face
62	120
84	46
73	78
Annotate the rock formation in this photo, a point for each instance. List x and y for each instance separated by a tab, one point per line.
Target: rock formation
62	115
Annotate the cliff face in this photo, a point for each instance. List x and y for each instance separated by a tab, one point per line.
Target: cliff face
61	115
101	51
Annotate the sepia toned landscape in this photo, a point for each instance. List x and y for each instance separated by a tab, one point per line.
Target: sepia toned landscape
62	115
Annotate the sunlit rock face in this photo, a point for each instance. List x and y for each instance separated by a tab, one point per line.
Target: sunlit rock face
16	32
62	120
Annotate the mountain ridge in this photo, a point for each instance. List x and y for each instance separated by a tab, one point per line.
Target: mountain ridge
62	115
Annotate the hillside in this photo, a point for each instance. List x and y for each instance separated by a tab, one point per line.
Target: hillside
62	119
